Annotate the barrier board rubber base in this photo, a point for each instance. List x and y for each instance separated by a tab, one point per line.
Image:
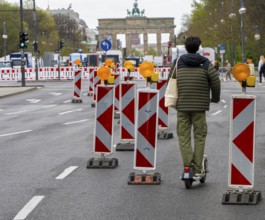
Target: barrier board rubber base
102	163
125	147
164	135
236	197
76	100
93	105
144	179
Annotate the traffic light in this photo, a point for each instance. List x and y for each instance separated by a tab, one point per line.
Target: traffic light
169	44
61	44
23	39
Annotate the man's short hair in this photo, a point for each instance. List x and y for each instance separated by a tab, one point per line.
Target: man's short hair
192	44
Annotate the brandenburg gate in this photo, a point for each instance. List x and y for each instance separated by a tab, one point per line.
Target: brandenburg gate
136	23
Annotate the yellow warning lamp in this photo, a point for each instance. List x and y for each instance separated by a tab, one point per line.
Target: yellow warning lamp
154	77
103	73
241	72
146	69
108	62
111	80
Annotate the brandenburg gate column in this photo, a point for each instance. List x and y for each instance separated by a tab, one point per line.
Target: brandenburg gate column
158	43
128	45
145	43
114	41
171	37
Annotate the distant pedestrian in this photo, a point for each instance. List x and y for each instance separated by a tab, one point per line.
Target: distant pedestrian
216	65
261	68
198	85
228	69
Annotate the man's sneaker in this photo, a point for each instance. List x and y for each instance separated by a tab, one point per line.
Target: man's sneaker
199	174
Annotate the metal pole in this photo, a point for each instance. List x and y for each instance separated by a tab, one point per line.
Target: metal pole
243	38
23	81
35	40
4	38
59	62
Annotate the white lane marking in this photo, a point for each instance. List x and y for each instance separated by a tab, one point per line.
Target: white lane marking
75	122
56	93
225	106
217	112
49	106
67	112
33	101
13	113
67	101
66	172
223	101
1	110
28	208
19	132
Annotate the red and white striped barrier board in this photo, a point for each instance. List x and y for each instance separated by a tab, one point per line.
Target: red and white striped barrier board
162	110
96	82
91	80
117	82
127	123
77	84
146	129
242	141
103	135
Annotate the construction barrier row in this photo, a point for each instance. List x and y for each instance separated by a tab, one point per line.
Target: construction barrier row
50	73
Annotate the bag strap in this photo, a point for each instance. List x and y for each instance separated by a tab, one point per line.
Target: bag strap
175	68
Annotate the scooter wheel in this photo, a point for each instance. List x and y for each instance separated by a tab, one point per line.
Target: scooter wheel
188	184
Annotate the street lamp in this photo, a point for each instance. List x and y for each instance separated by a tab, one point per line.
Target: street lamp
242	11
4	36
232	15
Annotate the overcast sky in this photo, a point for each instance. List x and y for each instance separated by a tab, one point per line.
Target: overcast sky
92	10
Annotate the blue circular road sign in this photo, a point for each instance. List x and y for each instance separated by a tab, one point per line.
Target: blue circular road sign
105	45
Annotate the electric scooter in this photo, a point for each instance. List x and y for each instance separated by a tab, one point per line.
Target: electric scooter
188	175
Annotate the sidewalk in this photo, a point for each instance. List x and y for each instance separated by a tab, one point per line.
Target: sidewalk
12	88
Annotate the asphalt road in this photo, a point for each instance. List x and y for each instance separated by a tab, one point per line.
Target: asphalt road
43	135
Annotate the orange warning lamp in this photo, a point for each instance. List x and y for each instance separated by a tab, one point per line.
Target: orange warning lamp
241	72
103	73
127	64
108	62
146	69
78	62
131	68
147	73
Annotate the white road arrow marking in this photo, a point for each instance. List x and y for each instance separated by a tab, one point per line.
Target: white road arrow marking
56	93
33	101
28	208
66	172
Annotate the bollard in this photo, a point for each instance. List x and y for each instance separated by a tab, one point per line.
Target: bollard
103	133
241	152
77	86
127	119
146	138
